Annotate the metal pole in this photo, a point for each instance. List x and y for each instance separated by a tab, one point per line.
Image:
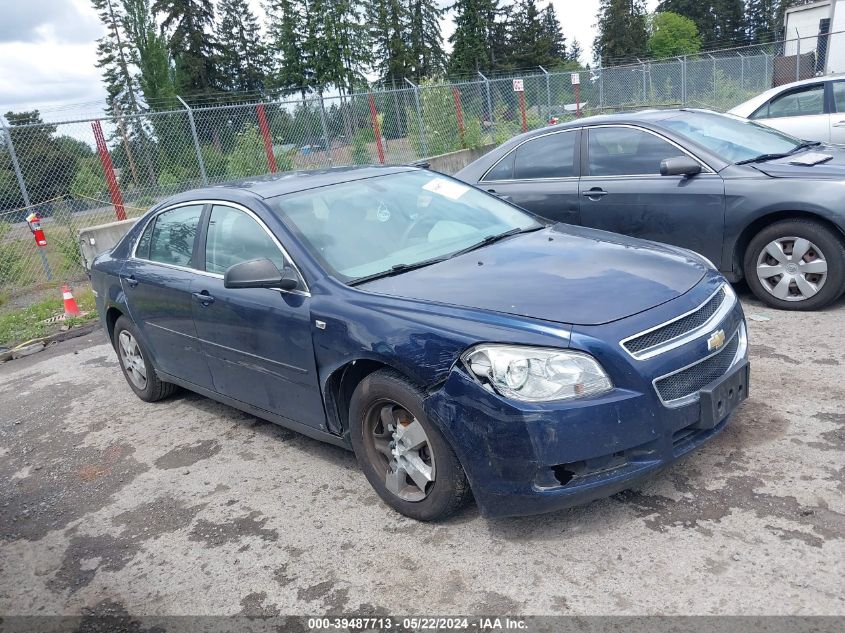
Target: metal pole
601	87
683	81
328	141
489	99
548	92
741	70
798	56
714	79
24	193
196	140
421	125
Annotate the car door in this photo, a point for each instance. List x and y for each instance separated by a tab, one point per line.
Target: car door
540	175
257	341
622	191
157	280
837	117
800	111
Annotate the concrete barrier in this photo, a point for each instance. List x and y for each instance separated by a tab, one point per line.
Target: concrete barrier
98	239
455	161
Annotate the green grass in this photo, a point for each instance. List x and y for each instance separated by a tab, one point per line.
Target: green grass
22	325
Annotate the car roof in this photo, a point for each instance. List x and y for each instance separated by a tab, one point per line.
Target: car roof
279	184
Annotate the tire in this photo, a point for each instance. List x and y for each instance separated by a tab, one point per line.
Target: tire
385	395
795	285
138	362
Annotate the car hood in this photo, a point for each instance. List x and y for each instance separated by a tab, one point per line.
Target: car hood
831	169
562	273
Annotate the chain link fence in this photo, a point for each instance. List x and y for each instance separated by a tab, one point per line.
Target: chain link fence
76	174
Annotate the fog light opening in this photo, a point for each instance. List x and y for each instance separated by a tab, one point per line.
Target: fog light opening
565	472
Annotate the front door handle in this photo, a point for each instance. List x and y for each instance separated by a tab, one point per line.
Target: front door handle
505	198
130	280
595	193
204	298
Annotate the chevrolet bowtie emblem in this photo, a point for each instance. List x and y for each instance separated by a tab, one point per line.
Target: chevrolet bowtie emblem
716	340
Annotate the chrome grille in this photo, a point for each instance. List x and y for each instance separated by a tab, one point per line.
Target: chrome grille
638	345
690	381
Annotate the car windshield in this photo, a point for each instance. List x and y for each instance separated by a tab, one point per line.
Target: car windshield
732	138
387	224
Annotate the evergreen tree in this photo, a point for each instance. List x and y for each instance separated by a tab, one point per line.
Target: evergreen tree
528	44
112	58
149	54
553	33
622	31
242	59
338	43
731	22
475	35
191	45
702	12
763	21
426	56
388	20
574	54
288	30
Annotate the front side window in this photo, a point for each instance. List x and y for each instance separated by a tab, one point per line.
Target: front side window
839	95
172	236
804	101
235	237
623	151
375	225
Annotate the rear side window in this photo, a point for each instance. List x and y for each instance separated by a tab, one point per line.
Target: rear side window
173	234
503	170
804	101
623	151
839	95
550	156
235	237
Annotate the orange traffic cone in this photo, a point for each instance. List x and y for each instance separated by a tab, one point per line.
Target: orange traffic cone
71	309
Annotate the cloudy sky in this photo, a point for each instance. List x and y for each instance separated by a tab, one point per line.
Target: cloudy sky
48	51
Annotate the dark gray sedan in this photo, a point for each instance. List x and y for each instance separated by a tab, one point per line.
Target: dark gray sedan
760	204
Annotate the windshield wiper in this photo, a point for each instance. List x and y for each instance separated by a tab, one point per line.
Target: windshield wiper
762	158
397	269
804	145
494	238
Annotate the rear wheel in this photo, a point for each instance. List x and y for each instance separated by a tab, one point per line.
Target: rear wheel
404	456
796	265
136	365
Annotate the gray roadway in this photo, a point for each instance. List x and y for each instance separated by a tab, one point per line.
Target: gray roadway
188	506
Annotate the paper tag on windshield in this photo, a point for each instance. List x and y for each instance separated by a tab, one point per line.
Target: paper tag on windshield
447	188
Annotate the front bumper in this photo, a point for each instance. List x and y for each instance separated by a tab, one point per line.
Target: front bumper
524	458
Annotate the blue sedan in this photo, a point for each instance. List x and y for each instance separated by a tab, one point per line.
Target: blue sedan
460	346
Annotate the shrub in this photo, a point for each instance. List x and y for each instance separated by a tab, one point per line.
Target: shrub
361	147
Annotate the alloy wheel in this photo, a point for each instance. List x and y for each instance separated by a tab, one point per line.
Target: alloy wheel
132	359
792	268
398	446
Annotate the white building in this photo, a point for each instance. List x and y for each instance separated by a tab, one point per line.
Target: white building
806	29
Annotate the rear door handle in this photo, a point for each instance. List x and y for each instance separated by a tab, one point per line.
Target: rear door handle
130	280
839	124
595	193
204	298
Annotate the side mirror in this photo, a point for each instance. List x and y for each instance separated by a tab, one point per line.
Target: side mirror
260	273
680	166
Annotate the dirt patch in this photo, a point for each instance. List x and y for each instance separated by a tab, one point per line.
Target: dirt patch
188	454
217	534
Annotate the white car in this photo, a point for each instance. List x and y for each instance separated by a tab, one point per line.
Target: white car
810	109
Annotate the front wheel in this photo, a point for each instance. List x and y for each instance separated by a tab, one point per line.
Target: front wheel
404	456
796	265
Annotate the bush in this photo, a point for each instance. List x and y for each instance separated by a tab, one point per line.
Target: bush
67	244
361	147
248	158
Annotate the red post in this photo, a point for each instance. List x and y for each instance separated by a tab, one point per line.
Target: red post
578	100
265	134
108	171
456	94
376	128
522	110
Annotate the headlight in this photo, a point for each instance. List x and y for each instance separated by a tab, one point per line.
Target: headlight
535	374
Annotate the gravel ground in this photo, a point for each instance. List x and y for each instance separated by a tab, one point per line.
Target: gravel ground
191	507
